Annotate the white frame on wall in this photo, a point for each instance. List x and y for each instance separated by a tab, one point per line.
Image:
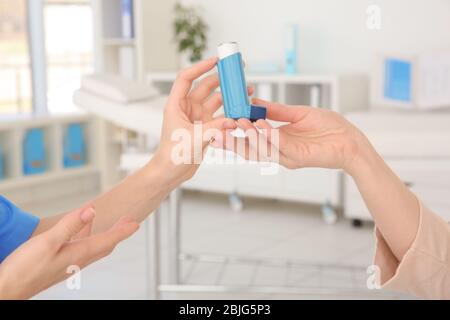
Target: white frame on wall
36	40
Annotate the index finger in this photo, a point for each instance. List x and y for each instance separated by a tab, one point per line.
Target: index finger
184	79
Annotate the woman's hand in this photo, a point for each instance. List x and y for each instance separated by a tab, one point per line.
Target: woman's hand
320	138
312	137
189	123
44	260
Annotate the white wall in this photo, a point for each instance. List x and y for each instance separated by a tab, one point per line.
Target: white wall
333	33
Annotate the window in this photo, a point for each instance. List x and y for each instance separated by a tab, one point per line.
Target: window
15	75
69	50
52	72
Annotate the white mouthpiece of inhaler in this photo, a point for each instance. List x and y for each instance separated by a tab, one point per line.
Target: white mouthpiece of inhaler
227	49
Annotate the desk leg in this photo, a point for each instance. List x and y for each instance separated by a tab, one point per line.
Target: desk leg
174	235
152	254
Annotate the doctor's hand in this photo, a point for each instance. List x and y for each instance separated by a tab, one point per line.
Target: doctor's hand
43	260
309	137
189	122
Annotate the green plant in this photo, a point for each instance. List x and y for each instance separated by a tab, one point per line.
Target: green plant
190	32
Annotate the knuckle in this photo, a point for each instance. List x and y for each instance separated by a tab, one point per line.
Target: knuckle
49	243
182	74
66	230
80	258
212	81
107	251
88	251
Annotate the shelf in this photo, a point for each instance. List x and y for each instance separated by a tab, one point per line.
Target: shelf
40	121
316	90
306	79
26	181
12	133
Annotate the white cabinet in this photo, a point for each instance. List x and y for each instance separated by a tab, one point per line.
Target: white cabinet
319	186
312	185
417	147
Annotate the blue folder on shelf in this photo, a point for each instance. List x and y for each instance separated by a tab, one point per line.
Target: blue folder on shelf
34	157
127	19
74	146
398	80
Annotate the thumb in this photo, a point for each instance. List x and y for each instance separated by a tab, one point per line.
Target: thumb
281	112
71	224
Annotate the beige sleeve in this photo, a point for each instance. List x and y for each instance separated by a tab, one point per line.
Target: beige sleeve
425	269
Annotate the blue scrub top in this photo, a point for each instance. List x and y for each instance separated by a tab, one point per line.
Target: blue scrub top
16	227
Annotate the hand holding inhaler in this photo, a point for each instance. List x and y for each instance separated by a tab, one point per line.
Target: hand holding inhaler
309	137
191	109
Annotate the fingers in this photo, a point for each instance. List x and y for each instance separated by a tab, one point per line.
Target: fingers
220	124
252	147
183	82
200	94
100	245
262	138
246	125
267	130
281	112
105	242
70	225
213	103
204	89
276	136
239	146
213	130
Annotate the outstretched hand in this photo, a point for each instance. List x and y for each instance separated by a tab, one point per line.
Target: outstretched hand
43	260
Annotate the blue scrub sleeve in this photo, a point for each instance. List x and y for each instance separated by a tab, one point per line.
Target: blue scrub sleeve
16	227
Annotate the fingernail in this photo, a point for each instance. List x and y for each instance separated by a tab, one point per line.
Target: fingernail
87	215
229	124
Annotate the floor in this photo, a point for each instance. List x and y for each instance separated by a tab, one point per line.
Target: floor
323	261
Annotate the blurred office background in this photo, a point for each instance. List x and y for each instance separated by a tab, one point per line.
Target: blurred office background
238	234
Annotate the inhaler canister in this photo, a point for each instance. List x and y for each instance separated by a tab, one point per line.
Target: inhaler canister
233	85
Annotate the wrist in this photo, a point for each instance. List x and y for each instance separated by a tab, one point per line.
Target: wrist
2	289
364	159
162	170
6	292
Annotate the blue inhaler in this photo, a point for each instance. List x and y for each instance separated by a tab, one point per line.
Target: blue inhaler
233	85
